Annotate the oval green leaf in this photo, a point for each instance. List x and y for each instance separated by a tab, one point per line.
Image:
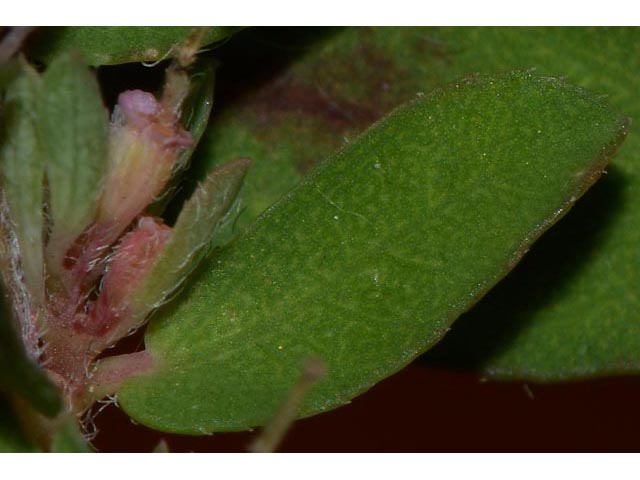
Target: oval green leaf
570	311
371	259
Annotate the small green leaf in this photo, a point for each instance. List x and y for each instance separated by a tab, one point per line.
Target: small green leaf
22	175
73	127
371	259
112	45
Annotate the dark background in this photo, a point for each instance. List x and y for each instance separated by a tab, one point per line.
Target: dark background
423	409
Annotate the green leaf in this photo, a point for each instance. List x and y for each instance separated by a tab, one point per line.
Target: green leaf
73	127
571	310
370	260
22	175
112	45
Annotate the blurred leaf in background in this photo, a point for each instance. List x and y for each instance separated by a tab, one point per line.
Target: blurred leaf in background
113	45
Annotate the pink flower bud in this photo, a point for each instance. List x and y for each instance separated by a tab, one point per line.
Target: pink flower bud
131	262
145	144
